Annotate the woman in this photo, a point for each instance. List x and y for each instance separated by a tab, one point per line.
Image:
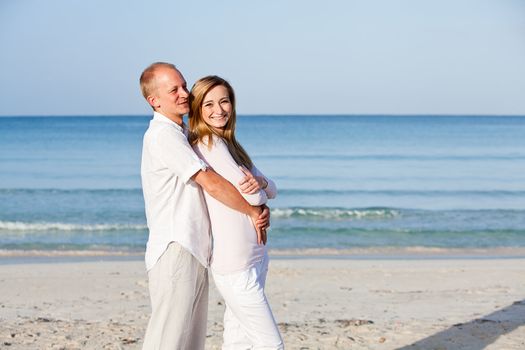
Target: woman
239	264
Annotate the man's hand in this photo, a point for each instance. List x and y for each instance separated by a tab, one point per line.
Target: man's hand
249	184
263	222
264	237
254	215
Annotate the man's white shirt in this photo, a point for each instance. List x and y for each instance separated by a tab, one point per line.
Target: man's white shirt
175	205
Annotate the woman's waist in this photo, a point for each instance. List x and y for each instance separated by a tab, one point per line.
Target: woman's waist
237	245
230	262
238	227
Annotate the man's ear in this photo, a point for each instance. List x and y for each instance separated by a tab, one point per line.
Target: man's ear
152	100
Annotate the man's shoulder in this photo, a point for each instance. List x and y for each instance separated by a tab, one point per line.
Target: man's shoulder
159	130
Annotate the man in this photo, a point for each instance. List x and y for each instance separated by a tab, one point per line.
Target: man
179	243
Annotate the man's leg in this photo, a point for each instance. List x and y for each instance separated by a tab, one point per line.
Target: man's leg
174	282
197	335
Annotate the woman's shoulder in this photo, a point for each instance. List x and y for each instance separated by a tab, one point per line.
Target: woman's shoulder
211	142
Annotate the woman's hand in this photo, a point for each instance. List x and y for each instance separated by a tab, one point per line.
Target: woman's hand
251	184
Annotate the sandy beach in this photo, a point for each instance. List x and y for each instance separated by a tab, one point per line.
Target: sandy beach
329	302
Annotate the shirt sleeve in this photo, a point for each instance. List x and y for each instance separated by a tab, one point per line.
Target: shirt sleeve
271	189
219	158
178	156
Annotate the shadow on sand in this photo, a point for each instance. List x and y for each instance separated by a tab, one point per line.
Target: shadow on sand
476	334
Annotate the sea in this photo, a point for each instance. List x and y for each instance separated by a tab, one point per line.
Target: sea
73	183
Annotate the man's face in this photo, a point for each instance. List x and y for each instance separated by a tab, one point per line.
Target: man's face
171	95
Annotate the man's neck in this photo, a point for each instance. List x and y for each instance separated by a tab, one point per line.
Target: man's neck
174	118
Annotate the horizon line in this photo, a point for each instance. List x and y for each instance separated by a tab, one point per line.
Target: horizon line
273	115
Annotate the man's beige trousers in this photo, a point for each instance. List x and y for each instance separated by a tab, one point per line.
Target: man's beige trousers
178	287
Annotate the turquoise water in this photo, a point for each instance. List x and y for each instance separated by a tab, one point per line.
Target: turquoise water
344	181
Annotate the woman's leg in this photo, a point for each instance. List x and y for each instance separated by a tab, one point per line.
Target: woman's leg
247	309
234	336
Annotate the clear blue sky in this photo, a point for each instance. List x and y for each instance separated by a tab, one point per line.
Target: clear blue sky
68	57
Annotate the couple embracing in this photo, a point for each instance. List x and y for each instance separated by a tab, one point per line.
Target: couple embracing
205	207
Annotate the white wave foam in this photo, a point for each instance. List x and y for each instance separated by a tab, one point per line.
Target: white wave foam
334	213
58	226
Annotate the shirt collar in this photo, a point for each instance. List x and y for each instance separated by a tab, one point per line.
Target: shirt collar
163	119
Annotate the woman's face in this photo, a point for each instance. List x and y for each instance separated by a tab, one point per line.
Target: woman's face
217	107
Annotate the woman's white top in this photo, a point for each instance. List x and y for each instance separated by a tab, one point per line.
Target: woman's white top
235	245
